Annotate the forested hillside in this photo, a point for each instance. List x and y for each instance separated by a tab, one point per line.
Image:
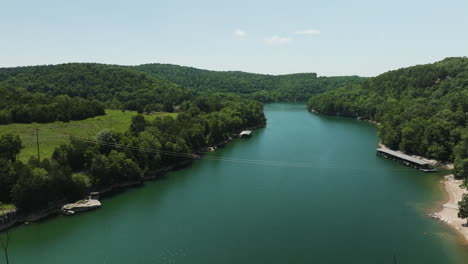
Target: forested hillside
20	106
80	90
422	109
265	88
76	91
29	89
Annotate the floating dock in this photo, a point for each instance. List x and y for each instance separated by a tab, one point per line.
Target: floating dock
80	206
409	161
245	134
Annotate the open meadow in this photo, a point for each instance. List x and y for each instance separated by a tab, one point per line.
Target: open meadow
53	134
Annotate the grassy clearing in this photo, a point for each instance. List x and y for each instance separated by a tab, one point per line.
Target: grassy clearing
53	134
6	207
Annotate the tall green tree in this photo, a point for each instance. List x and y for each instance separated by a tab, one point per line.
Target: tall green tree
10	146
138	124
463	208
8	178
461	168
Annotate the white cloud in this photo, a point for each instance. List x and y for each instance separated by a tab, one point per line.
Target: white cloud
240	33
308	32
277	40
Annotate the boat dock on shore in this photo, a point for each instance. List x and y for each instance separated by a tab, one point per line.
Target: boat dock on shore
245	134
407	160
80	206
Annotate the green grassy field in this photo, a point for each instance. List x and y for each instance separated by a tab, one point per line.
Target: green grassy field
6	207
52	135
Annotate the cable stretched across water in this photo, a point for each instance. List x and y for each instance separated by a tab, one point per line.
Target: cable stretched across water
195	156
213	158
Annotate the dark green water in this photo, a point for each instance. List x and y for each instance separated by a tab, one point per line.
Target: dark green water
351	207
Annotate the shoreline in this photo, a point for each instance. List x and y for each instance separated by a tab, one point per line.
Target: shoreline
54	210
433	162
346	114
449	209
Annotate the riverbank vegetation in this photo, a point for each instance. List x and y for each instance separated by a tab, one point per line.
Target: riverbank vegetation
94	159
463	208
422	109
113	157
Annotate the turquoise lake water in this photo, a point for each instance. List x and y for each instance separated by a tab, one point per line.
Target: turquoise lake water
347	206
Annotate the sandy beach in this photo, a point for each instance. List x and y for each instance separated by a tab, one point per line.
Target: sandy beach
449	211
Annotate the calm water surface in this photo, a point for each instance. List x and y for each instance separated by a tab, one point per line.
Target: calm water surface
349	207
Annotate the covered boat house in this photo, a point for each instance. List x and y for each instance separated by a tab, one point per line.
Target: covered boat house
409	161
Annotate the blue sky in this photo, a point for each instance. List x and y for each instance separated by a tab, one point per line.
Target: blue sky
333	37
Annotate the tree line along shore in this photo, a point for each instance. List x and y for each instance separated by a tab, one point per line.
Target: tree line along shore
111	158
420	110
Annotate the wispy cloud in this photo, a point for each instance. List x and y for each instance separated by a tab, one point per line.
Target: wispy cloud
307	32
277	40
240	33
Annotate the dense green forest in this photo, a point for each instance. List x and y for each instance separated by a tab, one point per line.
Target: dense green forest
423	109
20	106
75	91
115	87
261	87
93	164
